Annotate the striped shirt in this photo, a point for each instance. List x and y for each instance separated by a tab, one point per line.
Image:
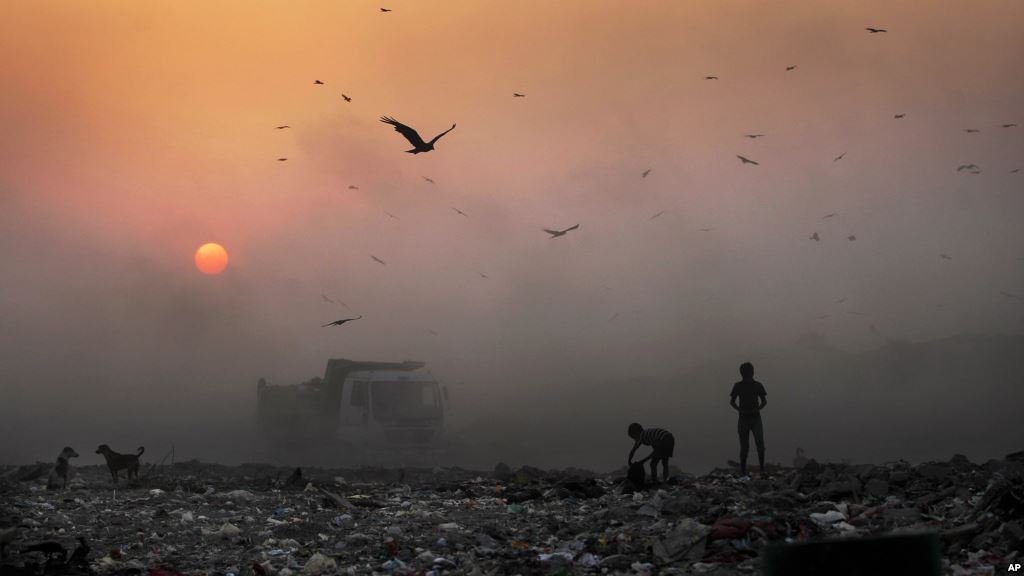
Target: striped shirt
652	436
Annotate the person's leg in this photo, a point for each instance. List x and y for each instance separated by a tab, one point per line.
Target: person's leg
744	432
654	468
759	442
664	469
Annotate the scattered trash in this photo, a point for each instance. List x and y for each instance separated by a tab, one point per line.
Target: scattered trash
193	518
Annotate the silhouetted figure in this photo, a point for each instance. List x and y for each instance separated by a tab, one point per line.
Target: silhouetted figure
876	30
790	68
645	173
518	95
346	98
378	260
745	160
662	442
658	214
318	83
748	397
385	9
282	127
711	77
753	136
838	158
898	116
418	145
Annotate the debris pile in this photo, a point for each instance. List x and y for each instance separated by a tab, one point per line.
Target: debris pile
193	518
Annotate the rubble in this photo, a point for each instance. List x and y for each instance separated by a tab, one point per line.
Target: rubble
192	518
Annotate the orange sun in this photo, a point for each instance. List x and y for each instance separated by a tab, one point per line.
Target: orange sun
211	258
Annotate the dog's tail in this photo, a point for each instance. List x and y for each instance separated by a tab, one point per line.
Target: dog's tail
141	450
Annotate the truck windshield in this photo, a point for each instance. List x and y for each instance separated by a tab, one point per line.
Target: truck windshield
405	400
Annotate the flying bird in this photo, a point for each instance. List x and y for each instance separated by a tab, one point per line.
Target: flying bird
378	260
745	160
1010	296
518	95
460	212
711	77
1015	170
859	314
838	158
428	180
645	173
392	215
317	82
1011	125
875	30
840	301
823	316
353	187
346	98
281	127
432	333
326	299
706	229
851	237
815	237
830	215
945	256
971	130
282	159
971	167
613	317
413	137
898	116
789	68
385	9
559	233
340	322
482	275
658	214
752	136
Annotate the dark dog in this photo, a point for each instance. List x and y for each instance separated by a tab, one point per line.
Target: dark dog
127	462
62	469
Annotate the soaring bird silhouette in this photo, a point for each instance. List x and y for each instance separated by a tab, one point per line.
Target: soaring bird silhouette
378	260
282	127
945	256
711	77
1010	296
326	299
385	9
613	317
340	322
1015	170
482	275
972	167
706	229
346	98
898	116
658	214
282	159
789	68
1011	125
851	237
840	301
518	95
752	136
971	130
815	237
460	212
318	83
353	187
429	180
838	158
830	215
560	233
875	30
645	173
390	215
413	137
745	160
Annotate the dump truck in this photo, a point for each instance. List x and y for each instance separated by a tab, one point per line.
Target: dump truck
372	406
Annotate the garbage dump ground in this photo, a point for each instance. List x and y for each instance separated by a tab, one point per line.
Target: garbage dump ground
256	520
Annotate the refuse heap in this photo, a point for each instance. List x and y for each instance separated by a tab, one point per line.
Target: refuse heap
195	518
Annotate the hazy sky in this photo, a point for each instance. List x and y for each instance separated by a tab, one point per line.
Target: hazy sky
133	132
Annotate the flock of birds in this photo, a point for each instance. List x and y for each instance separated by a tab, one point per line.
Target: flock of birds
420	146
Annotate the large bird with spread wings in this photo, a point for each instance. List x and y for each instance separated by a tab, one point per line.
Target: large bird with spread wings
418	145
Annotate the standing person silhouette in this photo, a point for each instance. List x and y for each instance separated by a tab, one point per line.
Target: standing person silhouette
751	398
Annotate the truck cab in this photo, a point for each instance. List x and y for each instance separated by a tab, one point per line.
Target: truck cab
391	409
